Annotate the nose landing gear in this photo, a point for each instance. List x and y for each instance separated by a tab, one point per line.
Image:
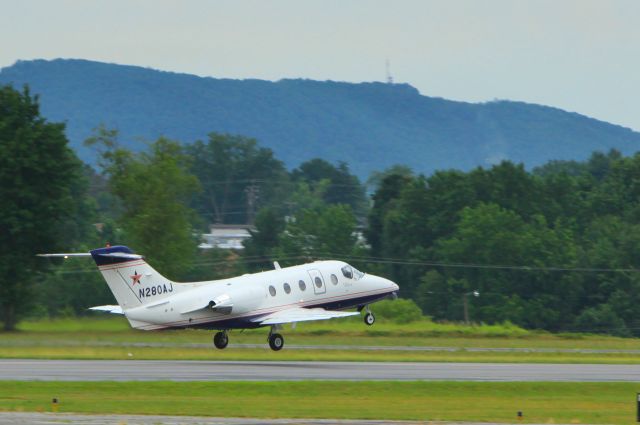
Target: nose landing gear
221	340
369	318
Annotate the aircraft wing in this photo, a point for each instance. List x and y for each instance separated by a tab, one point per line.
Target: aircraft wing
299	314
115	309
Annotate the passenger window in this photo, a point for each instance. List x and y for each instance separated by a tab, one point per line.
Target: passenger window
347	272
272	290
302	285
334	279
318	282
287	288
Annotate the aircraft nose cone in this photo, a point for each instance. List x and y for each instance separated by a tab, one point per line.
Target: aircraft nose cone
392	285
384	283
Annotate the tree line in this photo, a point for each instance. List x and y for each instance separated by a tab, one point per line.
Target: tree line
554	248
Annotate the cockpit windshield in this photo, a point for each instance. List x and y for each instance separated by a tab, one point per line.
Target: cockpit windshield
347	271
352	273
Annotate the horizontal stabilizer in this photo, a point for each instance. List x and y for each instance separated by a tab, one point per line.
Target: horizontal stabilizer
299	314
88	254
120	255
115	309
67	255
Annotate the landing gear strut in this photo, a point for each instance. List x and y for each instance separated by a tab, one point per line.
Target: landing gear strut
276	341
369	318
221	340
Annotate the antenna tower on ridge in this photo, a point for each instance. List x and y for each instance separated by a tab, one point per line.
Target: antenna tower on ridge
389	77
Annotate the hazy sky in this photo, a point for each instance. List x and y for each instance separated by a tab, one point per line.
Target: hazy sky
579	55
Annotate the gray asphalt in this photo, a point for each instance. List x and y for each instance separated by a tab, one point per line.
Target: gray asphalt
151	370
10	418
67	418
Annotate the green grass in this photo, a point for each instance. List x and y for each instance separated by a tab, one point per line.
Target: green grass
594	403
265	354
383	327
110	337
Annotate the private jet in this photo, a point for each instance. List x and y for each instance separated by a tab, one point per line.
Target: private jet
314	291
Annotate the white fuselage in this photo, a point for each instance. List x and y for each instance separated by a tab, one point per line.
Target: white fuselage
236	302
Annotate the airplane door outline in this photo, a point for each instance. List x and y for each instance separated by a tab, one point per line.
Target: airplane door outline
315	273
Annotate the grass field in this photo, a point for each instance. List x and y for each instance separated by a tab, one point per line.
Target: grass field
111	338
594	403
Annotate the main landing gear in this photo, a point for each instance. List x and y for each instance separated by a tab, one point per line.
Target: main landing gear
276	341
221	340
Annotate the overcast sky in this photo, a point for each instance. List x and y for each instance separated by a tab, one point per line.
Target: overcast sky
578	55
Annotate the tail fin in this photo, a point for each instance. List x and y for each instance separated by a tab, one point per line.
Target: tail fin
131	279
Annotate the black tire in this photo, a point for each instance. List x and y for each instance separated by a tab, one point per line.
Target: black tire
220	340
276	342
369	319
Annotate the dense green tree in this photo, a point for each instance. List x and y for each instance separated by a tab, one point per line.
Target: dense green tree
307	196
509	186
237	177
264	239
491	236
436	296
70	287
155	188
601	319
610	242
557	167
39	177
377	177
343	188
600	164
325	233
389	190
212	264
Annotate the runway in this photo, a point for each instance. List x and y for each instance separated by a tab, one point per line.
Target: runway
11	418
152	370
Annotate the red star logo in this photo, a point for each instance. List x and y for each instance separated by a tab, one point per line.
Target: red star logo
136	277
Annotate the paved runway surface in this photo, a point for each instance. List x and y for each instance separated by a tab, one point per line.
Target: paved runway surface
11	418
67	418
150	370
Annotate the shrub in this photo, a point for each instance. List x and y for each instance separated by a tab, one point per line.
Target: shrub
399	311
601	319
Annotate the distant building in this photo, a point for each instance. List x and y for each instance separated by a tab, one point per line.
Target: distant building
226	236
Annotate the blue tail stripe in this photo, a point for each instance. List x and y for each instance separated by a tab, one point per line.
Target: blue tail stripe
103	261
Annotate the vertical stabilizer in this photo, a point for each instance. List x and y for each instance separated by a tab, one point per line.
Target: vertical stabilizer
131	279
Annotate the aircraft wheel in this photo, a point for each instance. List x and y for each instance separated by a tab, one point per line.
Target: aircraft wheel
369	319
276	342
220	340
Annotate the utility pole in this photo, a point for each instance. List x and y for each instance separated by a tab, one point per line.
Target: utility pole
465	304
252	191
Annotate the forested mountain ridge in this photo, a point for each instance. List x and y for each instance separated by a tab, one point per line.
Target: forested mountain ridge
371	126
